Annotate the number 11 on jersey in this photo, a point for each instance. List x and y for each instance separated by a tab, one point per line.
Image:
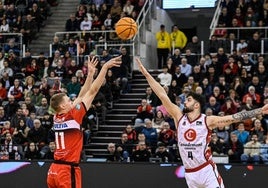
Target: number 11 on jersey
59	138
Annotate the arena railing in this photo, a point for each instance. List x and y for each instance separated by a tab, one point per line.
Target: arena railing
105	43
18	41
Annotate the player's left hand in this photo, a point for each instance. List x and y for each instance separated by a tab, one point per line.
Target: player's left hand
91	65
114	62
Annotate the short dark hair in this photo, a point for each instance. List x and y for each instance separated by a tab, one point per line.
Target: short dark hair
199	98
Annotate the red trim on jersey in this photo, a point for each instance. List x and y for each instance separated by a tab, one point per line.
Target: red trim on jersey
194	119
207	151
199	167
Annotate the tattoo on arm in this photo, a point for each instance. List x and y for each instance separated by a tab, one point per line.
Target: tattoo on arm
246	114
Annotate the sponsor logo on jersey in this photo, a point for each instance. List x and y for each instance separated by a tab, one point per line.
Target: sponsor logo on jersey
60	126
78	106
190	135
198	122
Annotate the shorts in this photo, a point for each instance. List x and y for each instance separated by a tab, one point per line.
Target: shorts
59	176
207	177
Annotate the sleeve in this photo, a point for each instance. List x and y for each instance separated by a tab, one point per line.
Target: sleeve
78	112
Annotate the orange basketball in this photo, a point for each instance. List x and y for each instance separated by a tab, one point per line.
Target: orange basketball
126	28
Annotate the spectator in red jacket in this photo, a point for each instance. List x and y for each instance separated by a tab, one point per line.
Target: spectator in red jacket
228	107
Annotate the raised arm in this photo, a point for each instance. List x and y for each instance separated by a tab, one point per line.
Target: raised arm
92	63
91	93
217	121
171	108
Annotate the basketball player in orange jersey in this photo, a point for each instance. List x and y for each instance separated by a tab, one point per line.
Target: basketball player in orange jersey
64	172
194	134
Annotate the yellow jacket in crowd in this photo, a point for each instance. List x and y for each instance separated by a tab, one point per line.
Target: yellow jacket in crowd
163	39
178	39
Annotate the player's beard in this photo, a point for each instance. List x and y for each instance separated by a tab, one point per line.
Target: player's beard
188	109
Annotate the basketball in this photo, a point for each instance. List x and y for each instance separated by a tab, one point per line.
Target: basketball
126	28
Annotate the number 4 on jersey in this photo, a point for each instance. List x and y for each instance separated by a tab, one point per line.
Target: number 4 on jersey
190	155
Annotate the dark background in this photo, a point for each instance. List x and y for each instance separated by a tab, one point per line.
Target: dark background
130	175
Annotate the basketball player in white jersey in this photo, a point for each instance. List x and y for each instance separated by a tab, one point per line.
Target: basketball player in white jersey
194	134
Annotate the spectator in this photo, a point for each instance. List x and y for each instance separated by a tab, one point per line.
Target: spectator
35	96
218	94
32	152
125	147
254	44
183	95
197	74
16	91
11	107
257	129
151	135
194	45
166	135
43	108
45	70
37	134
256	98
115	11
264	150
223	134
178	38
17	116
128	8
174	91
165	77
10	147
142	154
28	30
7	129
186	68
80	13
47	121
37	17
73	87
100	106
144	112
241	133
3	117
113	154
163	46
228	107
213	104
51	150
191	84
163	154
71	70
151	98
251	151
217	148
28	85
6	69
158	121
30	105
234	148
238	86
21	132
206	87
131	133
115	87
3	93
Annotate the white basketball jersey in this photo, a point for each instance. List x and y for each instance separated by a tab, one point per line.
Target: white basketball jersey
193	140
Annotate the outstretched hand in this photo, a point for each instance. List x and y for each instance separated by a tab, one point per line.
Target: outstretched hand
141	67
114	62
264	109
91	65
